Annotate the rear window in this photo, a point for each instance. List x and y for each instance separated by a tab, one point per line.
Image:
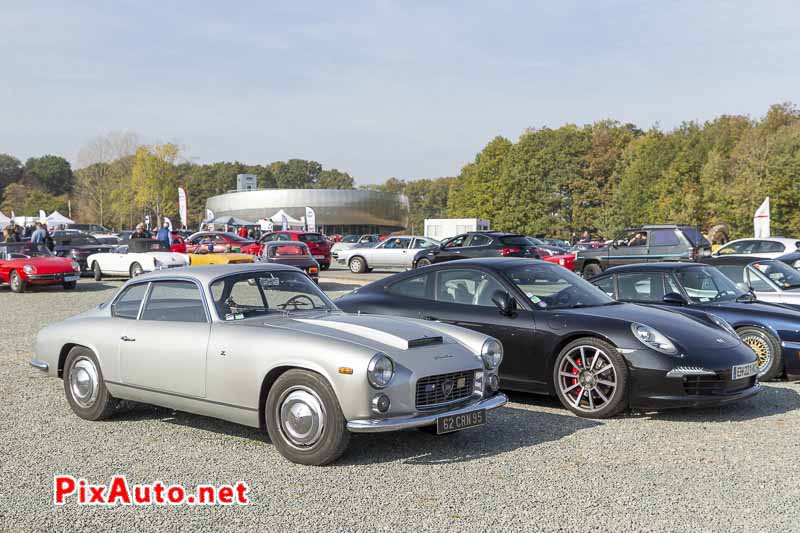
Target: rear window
664	237
695	237
288	250
311	237
515	240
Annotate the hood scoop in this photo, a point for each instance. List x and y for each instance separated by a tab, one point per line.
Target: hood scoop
395	341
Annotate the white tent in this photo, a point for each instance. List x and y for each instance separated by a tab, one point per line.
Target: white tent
293	223
4	221
55	219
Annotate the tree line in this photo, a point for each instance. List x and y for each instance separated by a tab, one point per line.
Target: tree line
600	177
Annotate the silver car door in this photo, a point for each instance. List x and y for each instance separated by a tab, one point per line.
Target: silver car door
395	251
164	350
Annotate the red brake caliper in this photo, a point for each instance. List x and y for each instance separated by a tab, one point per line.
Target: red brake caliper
575	379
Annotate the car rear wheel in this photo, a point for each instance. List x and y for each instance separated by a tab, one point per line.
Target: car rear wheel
591	270
17	283
136	270
324	266
98	274
768	350
84	387
423	263
358	265
304	420
591	378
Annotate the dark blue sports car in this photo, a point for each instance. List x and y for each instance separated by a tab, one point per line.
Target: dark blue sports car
771	330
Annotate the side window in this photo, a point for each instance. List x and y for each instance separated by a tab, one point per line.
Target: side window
757	282
479	240
466	286
632	238
735	273
664	237
397	244
771	247
174	301
606	285
416	287
641	287
456	242
423	243
128	304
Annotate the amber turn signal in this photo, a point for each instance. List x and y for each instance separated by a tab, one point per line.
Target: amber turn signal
345	370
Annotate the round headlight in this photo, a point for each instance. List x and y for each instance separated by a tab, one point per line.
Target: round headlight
29	269
76	267
653	338
380	370
492	353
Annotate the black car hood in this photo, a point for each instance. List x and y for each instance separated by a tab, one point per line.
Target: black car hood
688	333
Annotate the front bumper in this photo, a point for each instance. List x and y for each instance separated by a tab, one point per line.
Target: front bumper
39	365
791	359
396	424
51	278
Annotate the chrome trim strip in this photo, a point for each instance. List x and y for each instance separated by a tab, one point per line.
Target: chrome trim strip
186	396
682	371
395	424
39	365
790	345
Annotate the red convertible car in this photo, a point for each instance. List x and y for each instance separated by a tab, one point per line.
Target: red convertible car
219	242
320	246
23	264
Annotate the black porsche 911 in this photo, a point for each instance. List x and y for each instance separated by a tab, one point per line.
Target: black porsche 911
563	336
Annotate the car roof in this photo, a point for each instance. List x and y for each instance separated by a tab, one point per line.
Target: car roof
285	243
782	240
490	262
668	266
205	274
735	259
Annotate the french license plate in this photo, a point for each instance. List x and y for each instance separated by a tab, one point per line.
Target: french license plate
744	371
319	257
71	278
450	423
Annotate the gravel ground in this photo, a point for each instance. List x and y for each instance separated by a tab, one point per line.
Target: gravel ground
534	467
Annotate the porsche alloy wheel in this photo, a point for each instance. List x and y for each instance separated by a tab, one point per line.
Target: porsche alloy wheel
304	420
84	387
591	378
766	348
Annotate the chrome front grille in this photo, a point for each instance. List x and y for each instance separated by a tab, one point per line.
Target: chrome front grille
442	389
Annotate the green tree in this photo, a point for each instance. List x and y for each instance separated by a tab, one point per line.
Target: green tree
334	179
154	180
296	173
52	172
10	171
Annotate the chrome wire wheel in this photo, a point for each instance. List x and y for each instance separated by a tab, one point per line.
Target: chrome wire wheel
587	378
301	416
761	346
83	381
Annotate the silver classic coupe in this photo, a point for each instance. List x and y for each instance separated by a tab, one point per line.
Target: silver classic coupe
261	345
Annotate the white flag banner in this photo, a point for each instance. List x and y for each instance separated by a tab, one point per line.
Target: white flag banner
182	206
311	220
13	217
209	215
284	222
42	216
168	222
761	220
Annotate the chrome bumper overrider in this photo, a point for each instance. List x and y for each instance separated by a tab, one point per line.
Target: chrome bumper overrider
41	365
396	424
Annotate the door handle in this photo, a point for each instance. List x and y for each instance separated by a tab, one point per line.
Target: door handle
127	339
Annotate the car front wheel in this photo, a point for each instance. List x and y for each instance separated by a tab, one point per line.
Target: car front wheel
591	378
423	263
98	274
84	387
358	265
136	270
591	270
768	350
17	283
304	420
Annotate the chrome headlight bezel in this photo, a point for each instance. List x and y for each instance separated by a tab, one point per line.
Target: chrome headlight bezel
376	371
29	269
654	339
492	353
76	266
723	324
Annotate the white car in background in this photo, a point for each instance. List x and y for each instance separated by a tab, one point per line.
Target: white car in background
770	247
135	258
770	280
395	252
352	241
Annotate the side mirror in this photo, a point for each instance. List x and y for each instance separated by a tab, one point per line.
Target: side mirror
505	303
674	298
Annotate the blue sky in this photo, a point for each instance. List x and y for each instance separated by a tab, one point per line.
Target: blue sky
378	89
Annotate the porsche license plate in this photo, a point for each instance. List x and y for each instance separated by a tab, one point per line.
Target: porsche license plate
71	278
450	423
745	371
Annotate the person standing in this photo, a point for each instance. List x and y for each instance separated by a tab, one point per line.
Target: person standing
163	234
139	232
38	235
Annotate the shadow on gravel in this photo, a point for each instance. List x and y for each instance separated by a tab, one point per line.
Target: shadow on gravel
772	400
507	429
90	286
95	286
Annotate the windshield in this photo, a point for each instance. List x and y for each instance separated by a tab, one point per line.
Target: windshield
350	238
514	240
252	294
694	236
74	238
555	287
536	242
23	251
284	251
779	273
707	284
311	237
147	245
236	238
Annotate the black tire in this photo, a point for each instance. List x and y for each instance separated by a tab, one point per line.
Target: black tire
17	283
616	400
423	262
331	443
136	270
357	264
70	285
324	266
98	274
768	350
99	404
591	270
